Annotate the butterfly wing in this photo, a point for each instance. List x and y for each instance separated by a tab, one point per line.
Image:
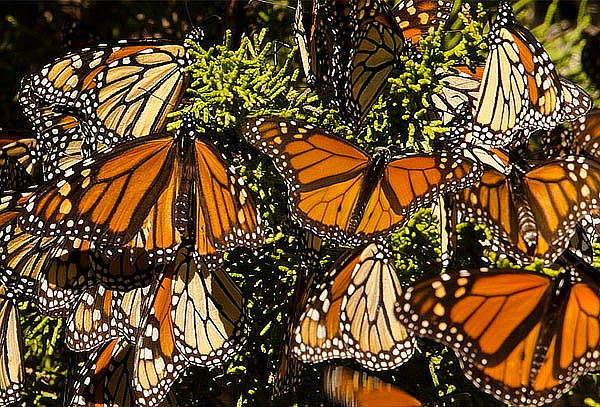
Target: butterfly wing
131	269
561	193
124	89
324	174
307	246
351	314
130	310
373	334
573	350
418	18
18	168
63	277
373	56
110	198
91	323
351	388
491	319
49	270
410	183
157	360
12	372
226	215
491	202
317	334
206	312
586	134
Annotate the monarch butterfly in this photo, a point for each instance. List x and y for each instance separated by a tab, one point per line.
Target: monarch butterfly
534	212
147	195
353	47
307	245
340	193
12	370
521	336
195	317
105	379
352	388
17	165
350	313
520	89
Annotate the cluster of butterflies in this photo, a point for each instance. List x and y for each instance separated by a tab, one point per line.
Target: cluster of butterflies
120	227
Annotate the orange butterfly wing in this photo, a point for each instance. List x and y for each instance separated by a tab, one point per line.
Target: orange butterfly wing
349	387
226	215
12	367
411	183
324	173
157	361
417	18
109	199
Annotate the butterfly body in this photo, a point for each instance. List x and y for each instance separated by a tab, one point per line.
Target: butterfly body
373	174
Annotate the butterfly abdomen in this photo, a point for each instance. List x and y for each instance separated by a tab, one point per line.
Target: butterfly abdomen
373	174
525	217
558	297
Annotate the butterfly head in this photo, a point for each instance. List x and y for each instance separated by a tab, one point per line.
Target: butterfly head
383	155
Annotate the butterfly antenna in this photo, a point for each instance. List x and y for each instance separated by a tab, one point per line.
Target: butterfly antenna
199	33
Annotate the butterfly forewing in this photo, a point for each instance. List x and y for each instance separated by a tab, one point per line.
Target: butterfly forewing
228	216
